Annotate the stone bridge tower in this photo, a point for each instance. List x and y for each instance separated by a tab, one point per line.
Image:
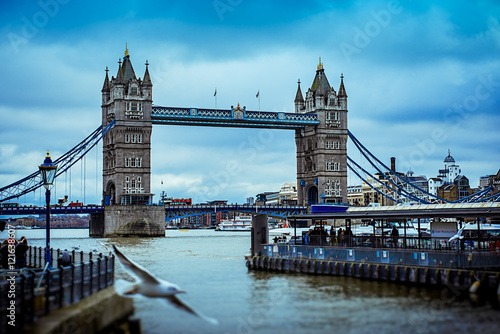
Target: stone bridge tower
127	146
322	149
126	151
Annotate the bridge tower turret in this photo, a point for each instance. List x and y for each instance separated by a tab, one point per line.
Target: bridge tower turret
127	146
322	149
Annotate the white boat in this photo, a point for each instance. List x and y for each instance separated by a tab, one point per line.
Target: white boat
239	223
470	229
367	229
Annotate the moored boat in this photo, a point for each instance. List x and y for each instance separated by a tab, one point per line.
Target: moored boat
239	223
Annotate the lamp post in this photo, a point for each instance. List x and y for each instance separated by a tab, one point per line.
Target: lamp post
48	171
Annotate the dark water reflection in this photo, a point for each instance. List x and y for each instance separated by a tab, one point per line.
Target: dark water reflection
339	304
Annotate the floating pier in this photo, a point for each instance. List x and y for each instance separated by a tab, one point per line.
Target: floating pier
471	263
438	276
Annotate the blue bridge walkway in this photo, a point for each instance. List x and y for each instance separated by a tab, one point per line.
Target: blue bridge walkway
235	117
171	211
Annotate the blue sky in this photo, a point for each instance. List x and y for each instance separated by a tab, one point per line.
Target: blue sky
422	78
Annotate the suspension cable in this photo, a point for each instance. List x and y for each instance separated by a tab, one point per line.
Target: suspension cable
374	188
408	195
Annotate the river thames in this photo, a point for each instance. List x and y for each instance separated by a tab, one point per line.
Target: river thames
210	267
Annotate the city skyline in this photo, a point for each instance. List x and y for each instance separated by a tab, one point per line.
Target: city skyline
421	78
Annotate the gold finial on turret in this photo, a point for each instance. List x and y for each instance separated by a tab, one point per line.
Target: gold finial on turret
320	65
126	50
48	154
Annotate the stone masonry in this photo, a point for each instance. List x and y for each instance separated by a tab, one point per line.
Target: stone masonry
322	149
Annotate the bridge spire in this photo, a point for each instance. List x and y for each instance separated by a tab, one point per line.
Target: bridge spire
119	75
147	78
105	86
299	99
342	92
320	65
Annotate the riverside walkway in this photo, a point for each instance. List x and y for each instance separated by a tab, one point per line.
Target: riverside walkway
77	294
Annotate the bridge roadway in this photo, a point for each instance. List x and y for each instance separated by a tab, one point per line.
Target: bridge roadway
235	117
56	210
171	211
180	211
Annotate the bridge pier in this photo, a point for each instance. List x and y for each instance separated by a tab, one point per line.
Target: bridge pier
96	225
260	233
129	221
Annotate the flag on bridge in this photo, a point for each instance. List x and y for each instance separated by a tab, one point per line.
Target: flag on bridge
258	92
215	92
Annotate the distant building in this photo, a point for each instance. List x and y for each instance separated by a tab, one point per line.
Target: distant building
484	181
450	184
448	192
463	186
250	201
267	198
491	180
450	171
419	181
433	184
288	194
355	195
377	189
273	198
214	218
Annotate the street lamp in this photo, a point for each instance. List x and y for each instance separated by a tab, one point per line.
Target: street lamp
48	171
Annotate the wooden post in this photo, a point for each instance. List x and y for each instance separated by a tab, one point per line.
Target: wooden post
419	234
478	233
404	240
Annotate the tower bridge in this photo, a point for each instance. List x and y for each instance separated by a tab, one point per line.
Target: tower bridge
319	121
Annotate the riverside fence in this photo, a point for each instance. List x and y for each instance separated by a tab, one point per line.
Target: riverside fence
31	292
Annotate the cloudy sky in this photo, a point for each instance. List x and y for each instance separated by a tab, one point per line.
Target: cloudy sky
421	78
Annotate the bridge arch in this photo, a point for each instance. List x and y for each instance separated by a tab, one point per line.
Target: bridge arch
110	193
312	195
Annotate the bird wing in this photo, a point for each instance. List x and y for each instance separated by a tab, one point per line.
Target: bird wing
135	269
462	229
183	306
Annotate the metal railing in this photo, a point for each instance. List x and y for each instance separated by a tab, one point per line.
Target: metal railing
35	292
433	252
421	243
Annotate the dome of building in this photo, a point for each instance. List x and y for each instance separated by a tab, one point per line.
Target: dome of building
449	158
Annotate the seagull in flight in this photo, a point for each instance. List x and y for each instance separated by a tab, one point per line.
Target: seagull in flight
149	285
459	234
